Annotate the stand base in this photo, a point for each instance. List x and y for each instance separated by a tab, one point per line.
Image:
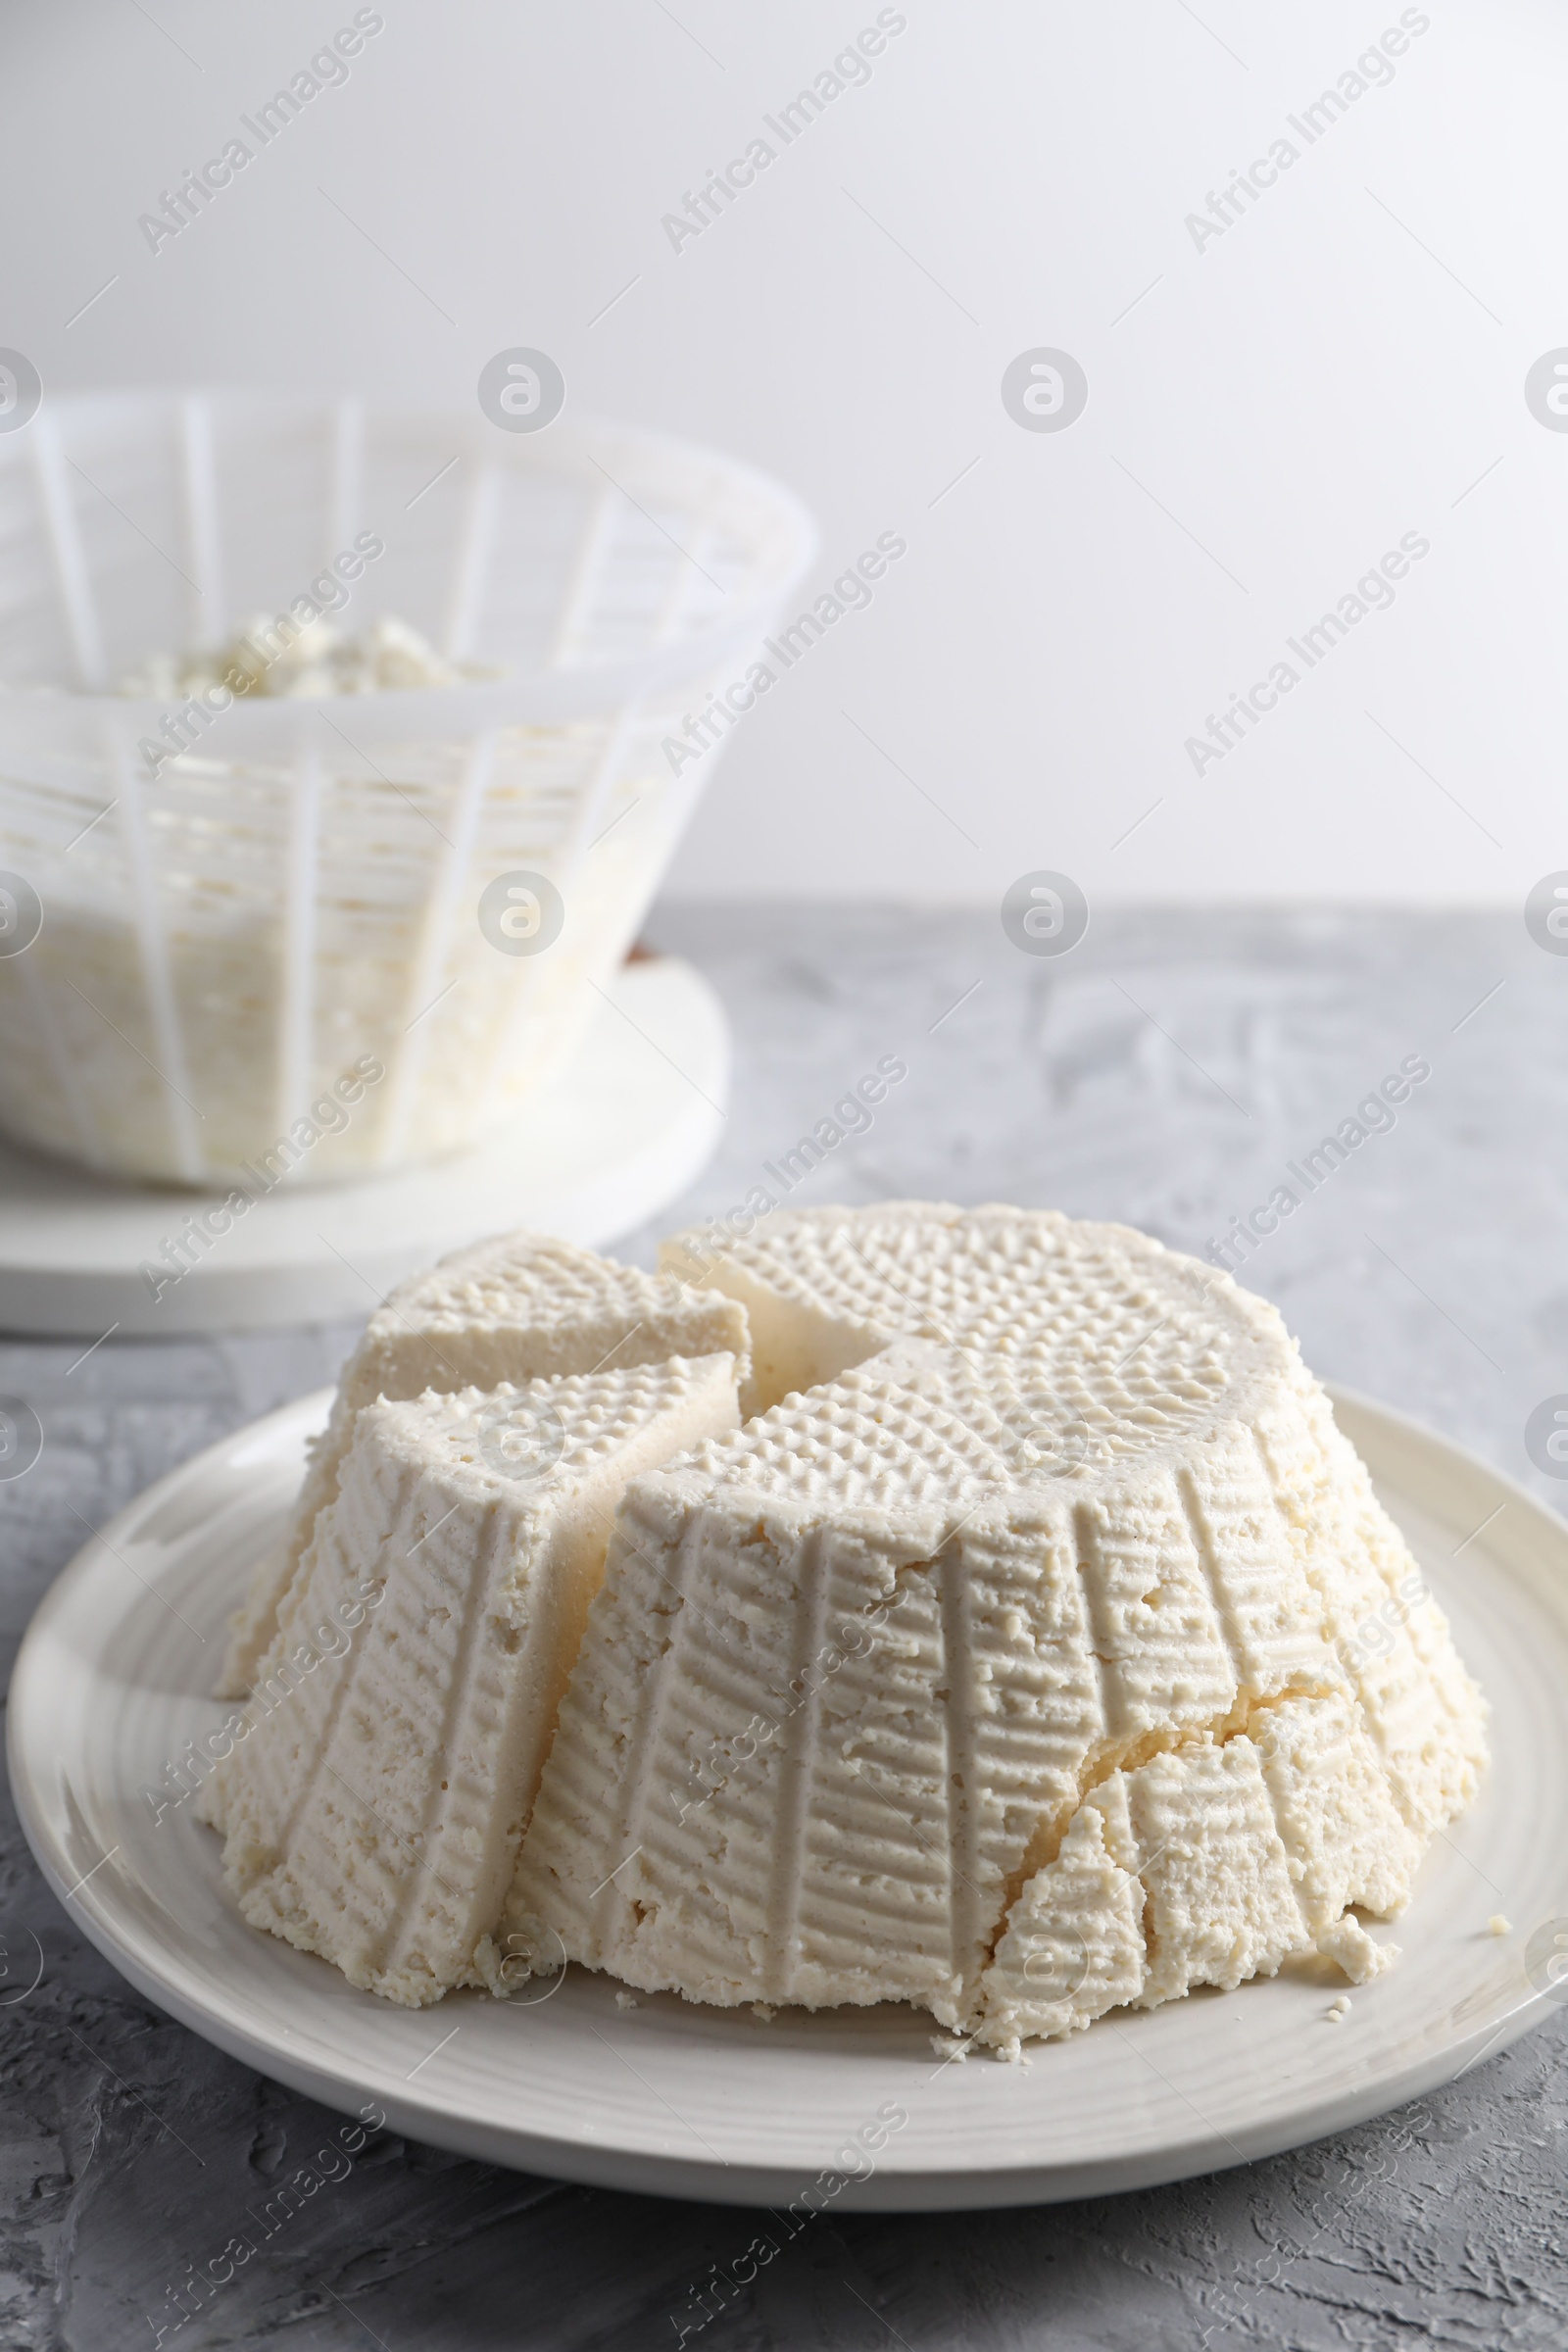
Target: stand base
602	1145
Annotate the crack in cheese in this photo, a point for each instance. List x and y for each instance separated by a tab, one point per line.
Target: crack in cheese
1207	1865
374	1810
1021	1624
514	1310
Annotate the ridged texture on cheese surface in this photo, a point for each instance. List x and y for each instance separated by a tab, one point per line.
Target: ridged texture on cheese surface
824	1289
523	1308
401	1717
867	1681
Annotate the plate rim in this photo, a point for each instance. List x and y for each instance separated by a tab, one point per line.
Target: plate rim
890	2186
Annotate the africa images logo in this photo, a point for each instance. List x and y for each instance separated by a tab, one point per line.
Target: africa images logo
1546	913
1546	1436
521	912
1044	390
1045	914
21	391
1545	391
521	390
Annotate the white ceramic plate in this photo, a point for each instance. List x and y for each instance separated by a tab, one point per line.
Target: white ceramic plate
678	2100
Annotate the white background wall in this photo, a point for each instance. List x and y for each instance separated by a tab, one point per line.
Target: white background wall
1344	365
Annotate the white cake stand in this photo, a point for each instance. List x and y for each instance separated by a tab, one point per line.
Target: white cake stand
601	1147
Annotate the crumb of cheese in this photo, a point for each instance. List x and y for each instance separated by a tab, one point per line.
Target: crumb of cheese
303	665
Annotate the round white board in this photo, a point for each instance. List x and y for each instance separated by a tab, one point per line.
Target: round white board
604	1143
683	2101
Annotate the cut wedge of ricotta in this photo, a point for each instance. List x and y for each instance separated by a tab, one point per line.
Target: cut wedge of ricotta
517	1308
1011	1662
372	1810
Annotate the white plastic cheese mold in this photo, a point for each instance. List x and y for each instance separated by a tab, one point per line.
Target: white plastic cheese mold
231	935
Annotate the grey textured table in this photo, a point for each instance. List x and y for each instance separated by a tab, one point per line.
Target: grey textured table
1162	1074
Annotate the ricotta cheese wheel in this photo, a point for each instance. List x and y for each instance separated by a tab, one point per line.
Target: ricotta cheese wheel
513	1309
1039	1647
373	1809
